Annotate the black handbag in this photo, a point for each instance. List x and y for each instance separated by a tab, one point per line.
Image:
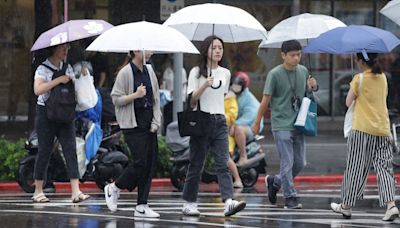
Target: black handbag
193	123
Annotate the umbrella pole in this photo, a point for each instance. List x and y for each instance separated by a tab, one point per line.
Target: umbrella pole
309	61
144	59
212	49
352	64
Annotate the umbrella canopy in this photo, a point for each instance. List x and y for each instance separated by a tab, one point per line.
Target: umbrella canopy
142	36
353	39
301	27
230	23
70	31
392	11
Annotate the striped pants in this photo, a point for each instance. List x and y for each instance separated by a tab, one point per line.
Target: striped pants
364	149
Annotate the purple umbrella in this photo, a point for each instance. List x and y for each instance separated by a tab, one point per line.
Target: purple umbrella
70	31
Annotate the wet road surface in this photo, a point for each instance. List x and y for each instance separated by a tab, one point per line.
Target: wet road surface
17	210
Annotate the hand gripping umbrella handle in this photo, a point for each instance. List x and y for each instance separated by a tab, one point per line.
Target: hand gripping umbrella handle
219	85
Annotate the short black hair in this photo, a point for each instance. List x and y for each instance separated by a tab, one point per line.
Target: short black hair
290	45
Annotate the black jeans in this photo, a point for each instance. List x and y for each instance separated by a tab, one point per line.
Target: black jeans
217	143
144	148
46	131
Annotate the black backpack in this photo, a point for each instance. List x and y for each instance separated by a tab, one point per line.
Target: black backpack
60	106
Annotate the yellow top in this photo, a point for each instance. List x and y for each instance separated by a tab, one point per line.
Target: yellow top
231	112
370	111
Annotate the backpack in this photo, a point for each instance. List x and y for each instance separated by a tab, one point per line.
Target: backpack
60	107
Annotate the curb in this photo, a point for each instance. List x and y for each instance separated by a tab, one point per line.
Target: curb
165	182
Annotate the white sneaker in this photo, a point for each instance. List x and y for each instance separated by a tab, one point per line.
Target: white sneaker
143	210
391	214
337	207
190	209
233	206
111	193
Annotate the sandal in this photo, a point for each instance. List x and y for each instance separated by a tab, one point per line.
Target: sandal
40	198
80	198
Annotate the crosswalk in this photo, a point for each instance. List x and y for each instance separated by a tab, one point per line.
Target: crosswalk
258	213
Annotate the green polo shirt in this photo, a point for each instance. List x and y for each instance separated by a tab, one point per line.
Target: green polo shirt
278	86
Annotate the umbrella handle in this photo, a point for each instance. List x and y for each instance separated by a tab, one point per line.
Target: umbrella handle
217	87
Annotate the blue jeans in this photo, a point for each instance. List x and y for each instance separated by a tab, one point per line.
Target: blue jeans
217	142
290	146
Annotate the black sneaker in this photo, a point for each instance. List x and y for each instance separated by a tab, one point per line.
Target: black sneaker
292	203
272	190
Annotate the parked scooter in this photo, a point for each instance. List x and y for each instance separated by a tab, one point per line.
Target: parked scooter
180	159
394	117
104	168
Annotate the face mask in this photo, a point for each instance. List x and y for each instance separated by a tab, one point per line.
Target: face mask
236	88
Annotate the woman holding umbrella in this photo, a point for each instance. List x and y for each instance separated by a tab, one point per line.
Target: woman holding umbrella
369	142
48	129
211	99
136	98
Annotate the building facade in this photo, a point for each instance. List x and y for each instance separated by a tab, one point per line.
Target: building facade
22	21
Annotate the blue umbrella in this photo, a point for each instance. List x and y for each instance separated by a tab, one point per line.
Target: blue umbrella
353	39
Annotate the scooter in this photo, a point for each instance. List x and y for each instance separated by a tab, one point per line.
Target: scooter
180	160
106	166
395	130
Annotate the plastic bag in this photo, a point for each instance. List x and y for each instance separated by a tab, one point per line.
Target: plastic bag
86	96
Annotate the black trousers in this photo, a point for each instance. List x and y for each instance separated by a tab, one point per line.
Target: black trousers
46	131
144	148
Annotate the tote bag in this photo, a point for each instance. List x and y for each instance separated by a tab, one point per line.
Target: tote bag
306	120
348	118
193	123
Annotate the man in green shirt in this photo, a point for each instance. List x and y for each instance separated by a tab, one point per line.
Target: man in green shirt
284	89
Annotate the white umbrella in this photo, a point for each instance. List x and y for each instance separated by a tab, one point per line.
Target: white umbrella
230	23
301	27
142	36
392	11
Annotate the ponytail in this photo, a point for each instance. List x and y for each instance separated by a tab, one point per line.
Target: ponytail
373	62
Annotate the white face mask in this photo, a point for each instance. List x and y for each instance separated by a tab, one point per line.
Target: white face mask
236	88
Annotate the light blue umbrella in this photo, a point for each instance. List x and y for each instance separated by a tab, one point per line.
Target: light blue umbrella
353	39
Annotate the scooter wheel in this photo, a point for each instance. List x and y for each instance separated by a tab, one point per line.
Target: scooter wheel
25	176
178	176
249	177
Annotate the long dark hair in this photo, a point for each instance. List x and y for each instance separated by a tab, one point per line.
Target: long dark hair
204	53
373	62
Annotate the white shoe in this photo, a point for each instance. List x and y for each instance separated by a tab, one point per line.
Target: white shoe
391	214
337	207
143	210
111	193
190	209
233	206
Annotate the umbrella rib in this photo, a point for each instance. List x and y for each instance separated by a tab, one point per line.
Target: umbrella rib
230	31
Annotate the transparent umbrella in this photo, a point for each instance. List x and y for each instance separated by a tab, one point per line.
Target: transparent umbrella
302	27
392	11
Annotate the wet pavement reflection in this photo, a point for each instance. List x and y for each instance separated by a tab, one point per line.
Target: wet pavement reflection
17	210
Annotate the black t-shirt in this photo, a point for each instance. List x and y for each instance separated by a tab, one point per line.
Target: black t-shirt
100	64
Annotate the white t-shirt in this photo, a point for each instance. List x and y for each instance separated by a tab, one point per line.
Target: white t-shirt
212	100
168	83
47	75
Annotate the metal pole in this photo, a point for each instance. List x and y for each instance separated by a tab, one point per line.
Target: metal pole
65	10
177	94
